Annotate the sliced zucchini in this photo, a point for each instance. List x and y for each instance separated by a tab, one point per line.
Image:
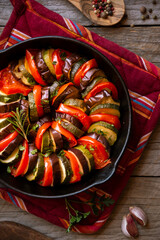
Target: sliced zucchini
3	122
93	84
72	128
38	171
89	157
108	108
47	56
13	158
66	170
9	98
9	107
75	67
32	106
75	102
105	129
45	146
26	78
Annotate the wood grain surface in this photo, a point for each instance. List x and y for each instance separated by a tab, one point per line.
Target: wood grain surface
85	6
143	188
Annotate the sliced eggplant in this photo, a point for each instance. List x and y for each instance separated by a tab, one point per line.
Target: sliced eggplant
83	163
33	109
56	140
13	158
98	98
24	106
6	130
12	145
55	161
66	170
9	98
75	121
72	128
78	103
53	89
101	139
9	107
75	67
89	76
43	68
38	171
88	156
69	61
70	92
45	100
33	155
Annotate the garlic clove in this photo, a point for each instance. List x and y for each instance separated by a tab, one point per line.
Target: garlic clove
129	227
139	215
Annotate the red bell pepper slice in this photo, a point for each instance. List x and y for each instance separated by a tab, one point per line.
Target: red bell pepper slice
4	142
61	89
83	70
33	68
101	156
22	166
41	130
106	118
47	179
37	98
9	85
6	115
75	167
83	117
99	87
58	59
70	137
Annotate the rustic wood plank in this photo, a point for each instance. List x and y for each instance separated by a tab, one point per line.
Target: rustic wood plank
66	9
133	194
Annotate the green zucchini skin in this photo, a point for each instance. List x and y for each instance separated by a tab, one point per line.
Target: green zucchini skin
9	107
32	107
76	66
71	128
9	98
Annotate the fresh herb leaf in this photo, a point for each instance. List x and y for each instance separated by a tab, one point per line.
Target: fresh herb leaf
35	127
34	151
21	148
54	62
61	153
91	148
63	56
8	169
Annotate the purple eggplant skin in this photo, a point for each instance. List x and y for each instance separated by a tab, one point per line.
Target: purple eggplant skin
24	106
6	130
89	76
97	98
9	107
81	158
32	157
45	100
75	121
11	146
101	139
70	92
43	68
56	169
56	139
69	61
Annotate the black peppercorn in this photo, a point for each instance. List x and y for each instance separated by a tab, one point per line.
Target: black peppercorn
110	13
150	10
154	1
143	10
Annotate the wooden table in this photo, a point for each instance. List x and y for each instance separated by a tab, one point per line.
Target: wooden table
143	188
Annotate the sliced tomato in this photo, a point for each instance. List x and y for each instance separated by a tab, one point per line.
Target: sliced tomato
70	137
101	156
75	167
41	130
4	142
99	87
9	85
33	68
83	117
106	118
47	179
37	98
58	58
83	70
61	90
22	166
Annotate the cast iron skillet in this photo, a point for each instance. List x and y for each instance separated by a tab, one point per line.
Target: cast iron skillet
99	176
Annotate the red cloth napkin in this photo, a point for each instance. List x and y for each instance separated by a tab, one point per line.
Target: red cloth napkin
31	19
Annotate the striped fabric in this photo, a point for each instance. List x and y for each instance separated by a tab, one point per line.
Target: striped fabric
29	19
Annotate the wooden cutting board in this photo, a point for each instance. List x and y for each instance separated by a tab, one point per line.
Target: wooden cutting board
85	6
16	231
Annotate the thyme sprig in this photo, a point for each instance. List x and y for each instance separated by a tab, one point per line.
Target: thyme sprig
18	120
96	203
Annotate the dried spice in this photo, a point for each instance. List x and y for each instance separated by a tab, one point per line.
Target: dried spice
103	8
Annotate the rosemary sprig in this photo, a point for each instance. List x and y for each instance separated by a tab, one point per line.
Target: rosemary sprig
18	122
96	203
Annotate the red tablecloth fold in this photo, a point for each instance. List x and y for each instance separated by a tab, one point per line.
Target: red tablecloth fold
31	19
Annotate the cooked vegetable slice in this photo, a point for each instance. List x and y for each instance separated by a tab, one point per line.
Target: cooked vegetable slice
26	77
56	140
9	107
66	170
45	145
47	56
9	98
108	108
41	131
106	118
47	179
101	97
37	98
13	158
6	130
5	142
78	103
45	100
56	169
69	61
75	68
32	107
71	128
74	120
